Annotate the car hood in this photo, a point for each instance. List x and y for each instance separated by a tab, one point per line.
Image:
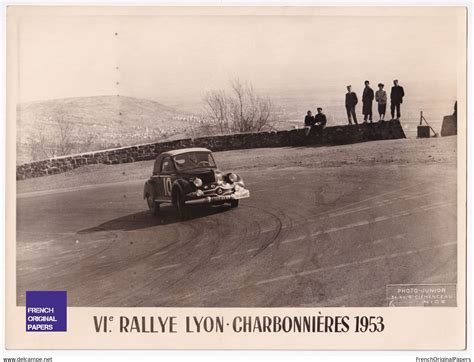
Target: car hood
207	175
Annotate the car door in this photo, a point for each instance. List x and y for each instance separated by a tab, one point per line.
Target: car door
164	182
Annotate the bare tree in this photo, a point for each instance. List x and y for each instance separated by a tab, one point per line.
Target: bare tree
217	110
241	109
85	143
38	147
66	138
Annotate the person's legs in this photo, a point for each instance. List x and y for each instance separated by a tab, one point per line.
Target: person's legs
384	108
398	111
353	111
348	111
392	109
370	113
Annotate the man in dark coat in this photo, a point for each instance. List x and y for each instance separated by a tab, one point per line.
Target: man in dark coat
351	101
367	99
320	121
396	98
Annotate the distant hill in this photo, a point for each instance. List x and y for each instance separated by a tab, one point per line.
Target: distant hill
100	121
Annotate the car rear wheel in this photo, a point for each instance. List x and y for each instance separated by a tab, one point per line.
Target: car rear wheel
234	203
180	205
152	204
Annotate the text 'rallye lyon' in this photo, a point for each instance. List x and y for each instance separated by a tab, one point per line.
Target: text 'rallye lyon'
190	176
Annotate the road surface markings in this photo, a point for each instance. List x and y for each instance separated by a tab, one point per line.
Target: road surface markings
383	218
416	196
238	252
395	237
345	207
293	262
168	266
403	213
251	250
266	230
434	206
354	263
380	203
293	240
348	226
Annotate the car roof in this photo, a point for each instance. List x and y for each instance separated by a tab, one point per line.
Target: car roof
186	150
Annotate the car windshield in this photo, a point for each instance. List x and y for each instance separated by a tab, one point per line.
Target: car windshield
193	160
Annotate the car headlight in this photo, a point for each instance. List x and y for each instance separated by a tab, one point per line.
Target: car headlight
237	187
219	176
199	193
233	177
197	182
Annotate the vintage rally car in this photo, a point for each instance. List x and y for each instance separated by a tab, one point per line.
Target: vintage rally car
190	176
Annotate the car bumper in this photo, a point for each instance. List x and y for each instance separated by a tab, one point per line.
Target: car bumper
241	194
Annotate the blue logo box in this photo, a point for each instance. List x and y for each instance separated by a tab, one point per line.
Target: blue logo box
46	311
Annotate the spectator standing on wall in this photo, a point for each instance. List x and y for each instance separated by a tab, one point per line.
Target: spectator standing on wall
351	102
367	99
396	98
381	99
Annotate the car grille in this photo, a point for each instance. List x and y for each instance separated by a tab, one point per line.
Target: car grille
208	177
218	191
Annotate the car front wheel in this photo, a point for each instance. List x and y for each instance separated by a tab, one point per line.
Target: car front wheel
181	206
234	203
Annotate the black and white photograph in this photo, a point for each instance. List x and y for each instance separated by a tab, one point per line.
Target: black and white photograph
245	158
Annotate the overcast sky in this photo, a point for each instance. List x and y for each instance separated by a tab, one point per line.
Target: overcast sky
174	59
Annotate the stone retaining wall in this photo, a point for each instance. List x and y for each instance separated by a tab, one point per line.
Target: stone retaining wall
450	126
335	135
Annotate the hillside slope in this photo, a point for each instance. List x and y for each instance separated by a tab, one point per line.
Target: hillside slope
108	121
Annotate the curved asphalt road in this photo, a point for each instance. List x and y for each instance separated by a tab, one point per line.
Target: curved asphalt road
333	236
